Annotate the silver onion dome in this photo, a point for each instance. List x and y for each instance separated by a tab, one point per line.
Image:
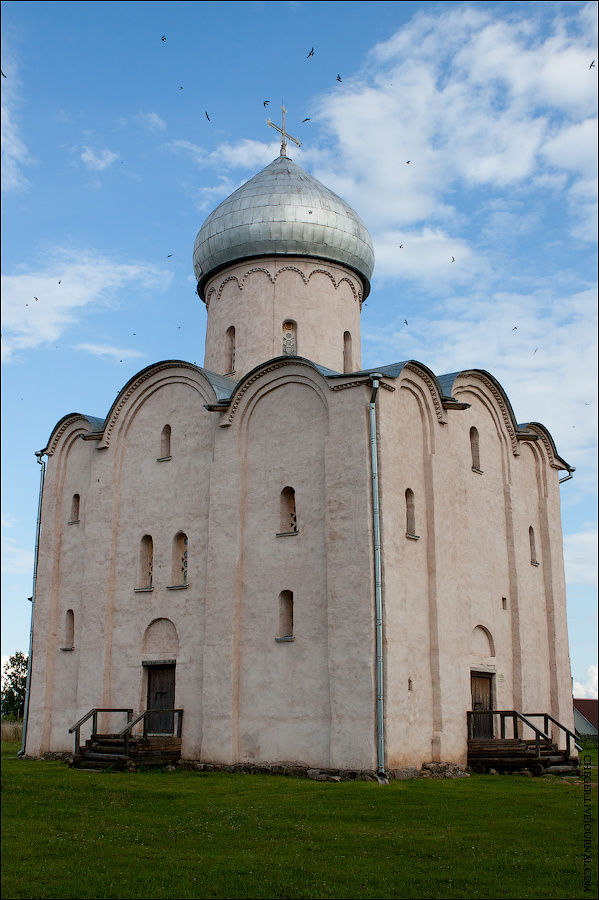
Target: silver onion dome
283	211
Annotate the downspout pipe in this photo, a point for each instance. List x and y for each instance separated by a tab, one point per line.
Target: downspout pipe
378	584
39	454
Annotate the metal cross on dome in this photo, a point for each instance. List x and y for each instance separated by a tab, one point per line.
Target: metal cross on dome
284	135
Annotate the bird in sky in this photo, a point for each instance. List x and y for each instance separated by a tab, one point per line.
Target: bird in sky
306	120
408	161
207	116
169	256
405	321
453	258
265	102
180	87
592	66
163	38
3	75
311	53
515	328
401	246
60	281
338	77
535	350
36	299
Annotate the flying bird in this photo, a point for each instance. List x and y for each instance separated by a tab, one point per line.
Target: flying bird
180	87
401	246
169	256
60	282
163	38
265	102
36	299
306	120
408	161
3	75
405	321
453	258
515	328
535	350
207	116
311	53
592	66
338	77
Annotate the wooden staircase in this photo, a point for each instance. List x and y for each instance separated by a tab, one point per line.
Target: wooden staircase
538	754
123	749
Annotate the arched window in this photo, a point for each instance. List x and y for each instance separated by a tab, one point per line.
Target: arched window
347	354
475	450
165	442
146	562
533	548
179	574
75	508
289	338
288	523
230	351
286	614
69	630
410	514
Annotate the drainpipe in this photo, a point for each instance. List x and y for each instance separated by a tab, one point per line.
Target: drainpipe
378	587
38	526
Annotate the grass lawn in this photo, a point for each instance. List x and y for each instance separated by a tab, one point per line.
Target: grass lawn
72	834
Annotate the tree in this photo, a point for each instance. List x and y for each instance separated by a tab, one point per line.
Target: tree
14	680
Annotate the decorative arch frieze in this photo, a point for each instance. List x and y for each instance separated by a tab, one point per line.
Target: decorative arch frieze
256	376
241	280
432	388
123	399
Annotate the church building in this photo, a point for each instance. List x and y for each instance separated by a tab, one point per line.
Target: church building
317	563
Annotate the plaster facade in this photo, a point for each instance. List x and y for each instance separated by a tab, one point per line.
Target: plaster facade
461	591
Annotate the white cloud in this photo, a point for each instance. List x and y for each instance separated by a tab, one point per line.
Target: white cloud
152	121
15	560
580	557
69	282
15	154
117	353
586	689
98	160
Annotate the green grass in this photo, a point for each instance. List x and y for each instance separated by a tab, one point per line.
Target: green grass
72	834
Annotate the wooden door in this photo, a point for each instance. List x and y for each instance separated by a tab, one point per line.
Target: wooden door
482	726
161	695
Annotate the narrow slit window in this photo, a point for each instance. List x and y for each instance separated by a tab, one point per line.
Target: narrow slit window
289	338
230	351
75	508
179	573
410	513
347	353
146	562
165	442
533	547
286	614
475	449
69	630
288	520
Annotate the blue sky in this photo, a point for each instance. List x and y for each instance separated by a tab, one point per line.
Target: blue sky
110	165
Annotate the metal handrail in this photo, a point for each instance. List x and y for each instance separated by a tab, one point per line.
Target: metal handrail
93	714
125	732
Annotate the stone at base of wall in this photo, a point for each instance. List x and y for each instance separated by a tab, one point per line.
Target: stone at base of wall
428	770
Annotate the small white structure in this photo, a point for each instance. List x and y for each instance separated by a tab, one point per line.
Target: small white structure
316	563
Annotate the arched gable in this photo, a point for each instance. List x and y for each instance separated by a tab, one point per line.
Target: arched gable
146	382
71	424
555	461
487	388
265	378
